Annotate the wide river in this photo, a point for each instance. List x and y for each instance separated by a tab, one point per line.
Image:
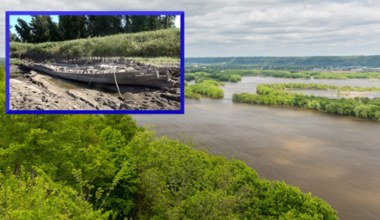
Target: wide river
333	157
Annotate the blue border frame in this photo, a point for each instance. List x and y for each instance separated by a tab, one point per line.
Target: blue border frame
182	62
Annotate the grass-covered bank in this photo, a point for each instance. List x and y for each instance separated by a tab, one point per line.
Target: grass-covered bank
277	94
143	44
225	72
105	167
206	88
201	76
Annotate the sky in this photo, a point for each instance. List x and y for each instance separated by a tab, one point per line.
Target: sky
250	27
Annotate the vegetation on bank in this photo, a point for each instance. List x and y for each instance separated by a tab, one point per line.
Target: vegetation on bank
287	62
207	88
316	86
277	94
143	44
105	167
201	76
215	73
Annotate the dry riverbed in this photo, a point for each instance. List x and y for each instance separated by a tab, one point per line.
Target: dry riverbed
30	90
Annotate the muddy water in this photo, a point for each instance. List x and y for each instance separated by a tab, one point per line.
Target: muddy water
335	158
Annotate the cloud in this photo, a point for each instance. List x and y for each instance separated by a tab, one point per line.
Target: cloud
253	27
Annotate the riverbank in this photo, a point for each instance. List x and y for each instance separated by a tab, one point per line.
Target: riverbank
30	90
334	158
278	94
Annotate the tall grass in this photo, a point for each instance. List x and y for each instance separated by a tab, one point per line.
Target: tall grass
143	44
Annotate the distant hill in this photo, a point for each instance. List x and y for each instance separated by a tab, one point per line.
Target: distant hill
289	62
2	61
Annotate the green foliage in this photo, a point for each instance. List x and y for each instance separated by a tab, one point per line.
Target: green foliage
73	27
15	61
200	76
24	30
150	44
43	29
178	182
189	93
2	76
302	86
208	88
26	197
278	94
235	78
86	153
99	167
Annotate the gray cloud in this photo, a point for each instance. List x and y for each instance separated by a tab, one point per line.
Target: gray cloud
252	27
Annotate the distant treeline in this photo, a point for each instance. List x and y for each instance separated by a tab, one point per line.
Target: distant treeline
44	29
277	94
215	72
148	44
288	62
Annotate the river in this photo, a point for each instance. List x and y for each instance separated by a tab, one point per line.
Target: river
334	157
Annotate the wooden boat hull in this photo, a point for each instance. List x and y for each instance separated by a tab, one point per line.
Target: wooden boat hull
138	78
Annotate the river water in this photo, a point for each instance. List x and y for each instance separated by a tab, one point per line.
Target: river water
334	157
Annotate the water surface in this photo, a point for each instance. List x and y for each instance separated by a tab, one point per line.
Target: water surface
336	158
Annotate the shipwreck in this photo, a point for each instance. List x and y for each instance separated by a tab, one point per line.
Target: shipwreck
110	71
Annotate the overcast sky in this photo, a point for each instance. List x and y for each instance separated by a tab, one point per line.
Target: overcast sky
251	27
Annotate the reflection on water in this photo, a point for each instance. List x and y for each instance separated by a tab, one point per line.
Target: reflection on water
336	158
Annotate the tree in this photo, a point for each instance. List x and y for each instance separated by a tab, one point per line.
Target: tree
54	31
167	21
26	197
104	25
40	27
13	36
24	30
73	27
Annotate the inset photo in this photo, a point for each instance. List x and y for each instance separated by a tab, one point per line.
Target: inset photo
95	62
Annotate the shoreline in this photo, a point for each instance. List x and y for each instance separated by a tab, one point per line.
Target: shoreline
30	90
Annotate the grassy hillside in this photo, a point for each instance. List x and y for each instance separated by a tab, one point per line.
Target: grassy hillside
143	44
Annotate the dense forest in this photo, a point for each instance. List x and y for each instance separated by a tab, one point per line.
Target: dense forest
288	62
44	29
278	94
106	167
